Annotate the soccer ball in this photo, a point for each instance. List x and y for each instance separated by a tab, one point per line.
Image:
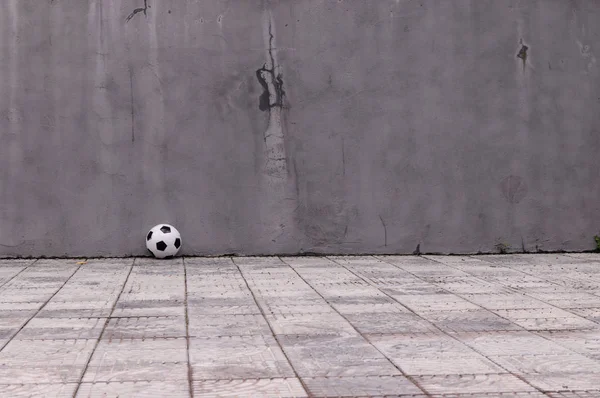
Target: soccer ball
163	241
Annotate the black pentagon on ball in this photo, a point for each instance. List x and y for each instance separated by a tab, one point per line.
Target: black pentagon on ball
177	243
161	246
149	235
165	229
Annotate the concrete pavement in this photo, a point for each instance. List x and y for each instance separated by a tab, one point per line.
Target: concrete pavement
441	326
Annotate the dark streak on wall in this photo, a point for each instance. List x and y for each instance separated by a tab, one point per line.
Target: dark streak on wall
523	54
138	10
277	79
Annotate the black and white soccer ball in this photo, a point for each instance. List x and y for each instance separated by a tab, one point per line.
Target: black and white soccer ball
163	241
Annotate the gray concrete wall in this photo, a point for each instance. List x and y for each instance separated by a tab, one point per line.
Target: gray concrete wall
261	127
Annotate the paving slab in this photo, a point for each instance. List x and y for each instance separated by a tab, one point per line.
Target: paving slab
464	321
15	262
76	309
25	296
565	382
145	327
474	384
522	326
11	323
239	357
511	343
412	287
21	306
435	302
505	301
574	394
170	389
365	386
62	328
48	361
563	323
537	313
138	360
335	356
421	345
585	342
593	314
220	308
310	324
471	286
283	388
447	365
528	394
321	308
228	325
56	390
151	307
563	364
362	308
390	323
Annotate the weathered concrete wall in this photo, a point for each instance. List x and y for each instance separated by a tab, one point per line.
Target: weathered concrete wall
261	127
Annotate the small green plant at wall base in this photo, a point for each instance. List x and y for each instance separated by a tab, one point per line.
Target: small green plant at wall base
503	248
597	239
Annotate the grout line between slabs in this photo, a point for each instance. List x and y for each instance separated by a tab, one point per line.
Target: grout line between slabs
535	298
536	332
408	377
262	313
187	332
20	272
449	334
516	291
42	307
87	364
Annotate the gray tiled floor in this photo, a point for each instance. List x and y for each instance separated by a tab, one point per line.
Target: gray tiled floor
524	326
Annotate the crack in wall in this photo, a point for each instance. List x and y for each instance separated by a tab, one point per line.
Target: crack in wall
138	10
272	101
384	231
343	158
132	106
276	80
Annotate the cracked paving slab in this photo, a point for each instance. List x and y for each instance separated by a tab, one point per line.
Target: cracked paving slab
432	326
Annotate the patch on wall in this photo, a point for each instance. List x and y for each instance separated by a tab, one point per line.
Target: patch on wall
513	188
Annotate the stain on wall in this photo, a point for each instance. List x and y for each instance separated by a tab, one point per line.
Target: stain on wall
514	189
522	54
263	127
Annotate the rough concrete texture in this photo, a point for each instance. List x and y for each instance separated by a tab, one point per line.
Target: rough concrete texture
523	326
261	127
